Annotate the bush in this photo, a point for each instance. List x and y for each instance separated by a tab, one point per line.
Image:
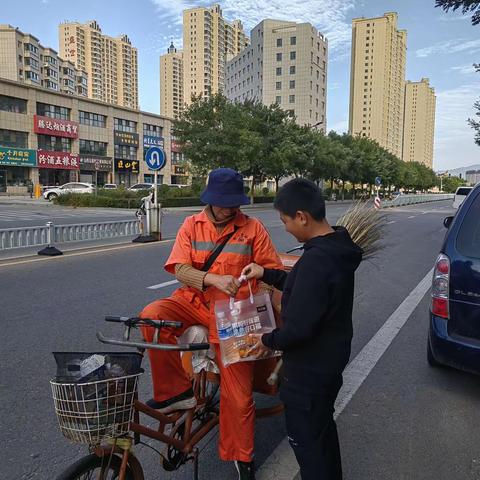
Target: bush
87	200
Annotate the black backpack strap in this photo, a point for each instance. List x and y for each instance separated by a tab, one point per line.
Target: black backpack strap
217	251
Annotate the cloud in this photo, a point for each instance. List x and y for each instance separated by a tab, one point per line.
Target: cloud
331	17
339	127
451	46
466	69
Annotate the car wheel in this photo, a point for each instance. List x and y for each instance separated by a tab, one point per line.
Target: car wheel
430	358
51	196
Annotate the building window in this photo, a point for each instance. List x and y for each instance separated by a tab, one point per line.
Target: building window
293	40
293	55
278	85
291	99
278	99
32	76
92	119
125	152
279	71
279	57
279	42
292	69
90	147
53	111
152	130
12	104
292	83
122	125
57	144
13	138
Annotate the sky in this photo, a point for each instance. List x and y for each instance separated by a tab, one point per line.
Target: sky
441	46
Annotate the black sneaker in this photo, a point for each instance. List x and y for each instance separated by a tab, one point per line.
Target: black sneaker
246	470
184	401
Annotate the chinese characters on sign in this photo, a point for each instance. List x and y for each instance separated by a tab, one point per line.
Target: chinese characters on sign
60	160
126	166
125	138
18	157
55	127
175	147
149	141
89	163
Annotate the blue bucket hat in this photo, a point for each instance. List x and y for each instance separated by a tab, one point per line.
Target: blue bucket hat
224	189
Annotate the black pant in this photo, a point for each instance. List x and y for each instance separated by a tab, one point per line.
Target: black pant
312	432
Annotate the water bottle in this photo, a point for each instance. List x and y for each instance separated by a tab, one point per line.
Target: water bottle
224	327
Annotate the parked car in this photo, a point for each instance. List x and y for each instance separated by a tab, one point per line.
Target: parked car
454	333
110	186
460	195
72	187
140	186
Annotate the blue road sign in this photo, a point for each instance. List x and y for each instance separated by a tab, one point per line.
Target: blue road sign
155	158
378	181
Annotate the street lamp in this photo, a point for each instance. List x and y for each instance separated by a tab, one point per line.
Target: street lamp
317	124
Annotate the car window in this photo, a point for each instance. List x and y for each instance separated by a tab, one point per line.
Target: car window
463	191
468	239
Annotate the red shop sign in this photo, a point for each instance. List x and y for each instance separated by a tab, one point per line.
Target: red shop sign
60	160
55	127
176	147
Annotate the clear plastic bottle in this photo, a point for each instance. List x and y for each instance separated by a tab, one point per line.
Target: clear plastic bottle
224	327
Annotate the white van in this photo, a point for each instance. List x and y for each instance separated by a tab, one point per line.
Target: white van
460	196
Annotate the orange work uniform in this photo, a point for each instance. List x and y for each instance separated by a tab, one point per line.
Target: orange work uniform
195	241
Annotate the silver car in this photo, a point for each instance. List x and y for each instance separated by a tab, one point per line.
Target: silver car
72	187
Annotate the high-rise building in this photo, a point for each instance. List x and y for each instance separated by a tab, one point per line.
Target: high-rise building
24	59
419	123
171	82
377	81
111	63
286	63
208	41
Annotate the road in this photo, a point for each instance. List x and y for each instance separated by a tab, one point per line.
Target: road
405	421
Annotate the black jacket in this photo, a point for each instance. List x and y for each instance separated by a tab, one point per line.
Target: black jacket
317	306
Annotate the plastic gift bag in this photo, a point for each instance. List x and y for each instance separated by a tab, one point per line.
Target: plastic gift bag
236	320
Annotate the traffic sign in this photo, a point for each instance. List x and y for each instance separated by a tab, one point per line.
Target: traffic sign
378	181
155	158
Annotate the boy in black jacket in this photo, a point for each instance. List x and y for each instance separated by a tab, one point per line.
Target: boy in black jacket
316	334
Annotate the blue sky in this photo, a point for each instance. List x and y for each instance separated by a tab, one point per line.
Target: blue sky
441	47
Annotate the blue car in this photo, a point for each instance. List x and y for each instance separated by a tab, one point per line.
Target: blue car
454	334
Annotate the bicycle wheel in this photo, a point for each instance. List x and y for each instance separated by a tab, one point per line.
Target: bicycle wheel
93	467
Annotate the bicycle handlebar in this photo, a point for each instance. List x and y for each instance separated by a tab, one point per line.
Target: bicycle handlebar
133	321
187	347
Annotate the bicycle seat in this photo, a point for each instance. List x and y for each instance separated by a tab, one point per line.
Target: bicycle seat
201	359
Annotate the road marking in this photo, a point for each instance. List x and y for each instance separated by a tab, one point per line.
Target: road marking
412	216
164	284
67	253
281	464
391	221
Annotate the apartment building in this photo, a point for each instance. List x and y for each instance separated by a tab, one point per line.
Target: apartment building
111	63
24	59
286	64
419	123
377	81
208	41
171	83
52	138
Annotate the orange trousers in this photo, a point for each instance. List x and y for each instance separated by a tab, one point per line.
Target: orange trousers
237	410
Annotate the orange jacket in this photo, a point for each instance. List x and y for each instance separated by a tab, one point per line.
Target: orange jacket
196	240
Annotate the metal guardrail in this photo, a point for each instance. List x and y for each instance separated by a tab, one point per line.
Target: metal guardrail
403	200
50	234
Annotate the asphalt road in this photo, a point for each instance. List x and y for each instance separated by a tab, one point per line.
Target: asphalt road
407	421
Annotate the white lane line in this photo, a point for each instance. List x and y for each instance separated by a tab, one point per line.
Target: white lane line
391	221
411	216
164	284
281	464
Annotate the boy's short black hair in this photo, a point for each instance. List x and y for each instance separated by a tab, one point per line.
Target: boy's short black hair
300	194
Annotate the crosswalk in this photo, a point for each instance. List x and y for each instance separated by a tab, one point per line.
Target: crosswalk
44	216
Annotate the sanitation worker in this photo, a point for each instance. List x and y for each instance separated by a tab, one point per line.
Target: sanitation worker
245	241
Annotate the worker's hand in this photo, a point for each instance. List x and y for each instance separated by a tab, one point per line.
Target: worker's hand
226	283
252	270
258	349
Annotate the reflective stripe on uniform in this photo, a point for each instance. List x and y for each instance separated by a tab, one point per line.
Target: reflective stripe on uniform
240	248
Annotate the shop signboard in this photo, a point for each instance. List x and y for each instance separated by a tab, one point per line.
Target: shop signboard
55	127
59	160
126	165
150	141
18	157
175	147
125	138
89	164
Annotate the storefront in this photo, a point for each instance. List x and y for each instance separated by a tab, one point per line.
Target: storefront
57	168
179	167
126	172
15	165
95	170
126	165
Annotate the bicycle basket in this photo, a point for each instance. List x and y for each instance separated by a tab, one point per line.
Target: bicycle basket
94	394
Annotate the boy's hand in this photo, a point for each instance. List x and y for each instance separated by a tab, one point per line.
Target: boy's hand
226	283
253	270
258	348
